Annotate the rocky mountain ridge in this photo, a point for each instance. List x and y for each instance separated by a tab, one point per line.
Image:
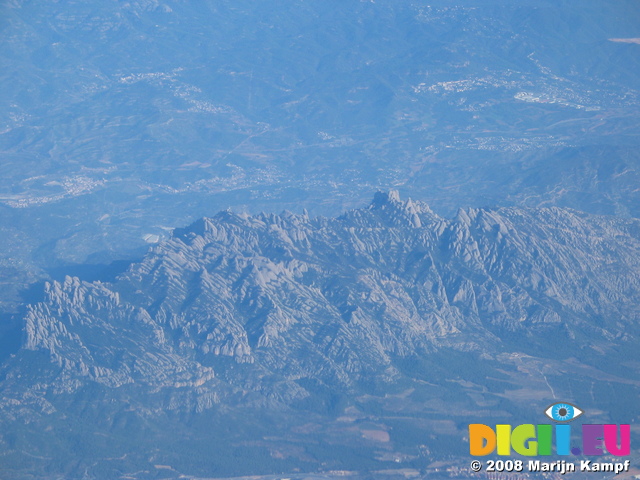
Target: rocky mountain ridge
338	299
491	313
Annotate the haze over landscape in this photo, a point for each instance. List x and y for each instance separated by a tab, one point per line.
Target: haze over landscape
293	237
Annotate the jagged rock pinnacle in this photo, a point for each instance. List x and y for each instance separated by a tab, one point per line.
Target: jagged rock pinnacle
384	198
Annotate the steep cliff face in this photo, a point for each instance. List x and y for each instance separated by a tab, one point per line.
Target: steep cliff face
485	314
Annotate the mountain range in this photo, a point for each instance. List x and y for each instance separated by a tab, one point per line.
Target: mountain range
311	343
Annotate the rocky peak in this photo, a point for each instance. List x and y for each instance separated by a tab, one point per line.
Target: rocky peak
381	199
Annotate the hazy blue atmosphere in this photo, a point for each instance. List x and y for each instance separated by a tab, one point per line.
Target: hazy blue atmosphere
299	237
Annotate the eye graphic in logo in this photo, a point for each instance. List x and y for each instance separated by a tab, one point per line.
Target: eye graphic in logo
563	412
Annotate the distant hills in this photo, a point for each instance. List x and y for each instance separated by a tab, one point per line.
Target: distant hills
119	121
